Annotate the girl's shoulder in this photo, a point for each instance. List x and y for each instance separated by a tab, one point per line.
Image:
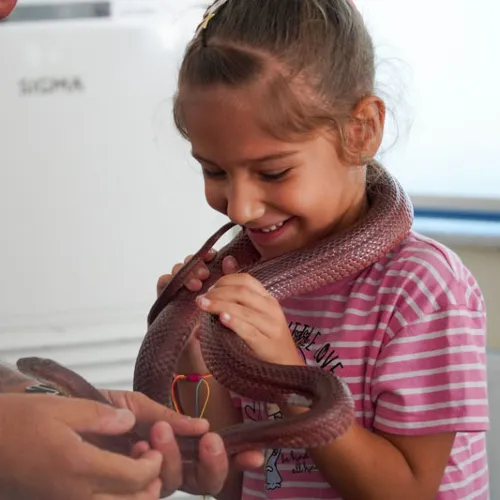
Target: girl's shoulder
419	277
430	272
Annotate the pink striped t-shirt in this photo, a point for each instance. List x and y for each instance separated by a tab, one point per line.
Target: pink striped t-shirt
408	336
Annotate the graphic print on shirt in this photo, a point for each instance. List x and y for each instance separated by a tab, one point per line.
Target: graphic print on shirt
298	461
306	337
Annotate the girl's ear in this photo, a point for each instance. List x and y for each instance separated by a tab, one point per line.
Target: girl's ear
364	132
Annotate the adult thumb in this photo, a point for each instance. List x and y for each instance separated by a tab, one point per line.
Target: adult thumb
93	417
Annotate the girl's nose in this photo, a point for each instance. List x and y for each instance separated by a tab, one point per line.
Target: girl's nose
244	203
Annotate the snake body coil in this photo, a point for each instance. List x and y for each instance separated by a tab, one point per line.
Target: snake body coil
175	314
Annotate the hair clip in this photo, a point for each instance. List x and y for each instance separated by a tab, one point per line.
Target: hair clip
209	15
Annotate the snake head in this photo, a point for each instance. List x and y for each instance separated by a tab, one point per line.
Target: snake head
34	366
45	370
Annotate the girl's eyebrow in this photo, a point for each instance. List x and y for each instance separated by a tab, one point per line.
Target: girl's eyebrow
262	159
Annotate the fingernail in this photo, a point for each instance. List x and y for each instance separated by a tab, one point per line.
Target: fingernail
124	416
216	447
202	301
212	251
203	273
232	261
165	434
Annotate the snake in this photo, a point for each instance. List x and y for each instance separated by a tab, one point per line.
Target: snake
175	315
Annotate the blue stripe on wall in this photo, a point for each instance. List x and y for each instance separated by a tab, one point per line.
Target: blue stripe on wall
457	214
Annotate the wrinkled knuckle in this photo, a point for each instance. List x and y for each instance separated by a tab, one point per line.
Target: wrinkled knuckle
242	293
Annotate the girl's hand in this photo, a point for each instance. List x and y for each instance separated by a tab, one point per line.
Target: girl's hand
244	306
194	279
192	360
201	273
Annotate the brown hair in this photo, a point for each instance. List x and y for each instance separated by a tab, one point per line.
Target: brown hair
315	59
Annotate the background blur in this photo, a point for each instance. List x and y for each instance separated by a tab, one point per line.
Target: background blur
99	197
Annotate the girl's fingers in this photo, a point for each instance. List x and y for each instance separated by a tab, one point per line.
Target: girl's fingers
230	265
249	333
243	319
242	281
200	273
210	255
252	298
162	283
194	279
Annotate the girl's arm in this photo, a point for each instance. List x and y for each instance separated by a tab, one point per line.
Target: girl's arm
366	466
423	392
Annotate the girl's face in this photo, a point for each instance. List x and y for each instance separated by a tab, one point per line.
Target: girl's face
285	194
6	7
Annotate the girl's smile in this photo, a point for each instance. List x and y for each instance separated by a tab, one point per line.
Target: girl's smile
262	237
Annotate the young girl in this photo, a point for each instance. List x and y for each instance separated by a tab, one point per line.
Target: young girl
277	100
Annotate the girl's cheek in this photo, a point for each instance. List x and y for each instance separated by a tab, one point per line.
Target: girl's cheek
215	197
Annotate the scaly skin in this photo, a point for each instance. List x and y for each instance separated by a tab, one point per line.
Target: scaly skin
174	315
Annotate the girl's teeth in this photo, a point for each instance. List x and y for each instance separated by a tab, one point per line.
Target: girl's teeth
272	228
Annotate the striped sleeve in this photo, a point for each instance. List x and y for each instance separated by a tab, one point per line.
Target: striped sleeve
431	375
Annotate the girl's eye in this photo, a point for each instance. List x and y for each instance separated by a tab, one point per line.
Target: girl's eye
267	176
213	174
275	175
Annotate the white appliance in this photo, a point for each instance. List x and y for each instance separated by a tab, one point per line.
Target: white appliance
98	193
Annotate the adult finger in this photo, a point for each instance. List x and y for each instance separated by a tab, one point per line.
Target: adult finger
162	440
112	473
88	416
249	460
148	412
213	464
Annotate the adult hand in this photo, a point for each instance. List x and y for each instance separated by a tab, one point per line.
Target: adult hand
209	474
43	455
